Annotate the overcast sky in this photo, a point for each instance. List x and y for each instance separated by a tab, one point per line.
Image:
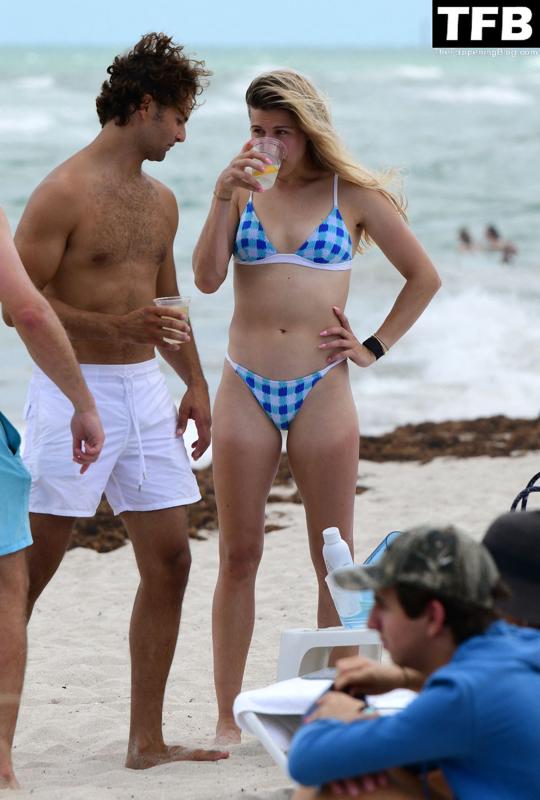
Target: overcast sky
333	23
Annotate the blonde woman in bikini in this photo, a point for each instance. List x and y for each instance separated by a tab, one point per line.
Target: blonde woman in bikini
287	366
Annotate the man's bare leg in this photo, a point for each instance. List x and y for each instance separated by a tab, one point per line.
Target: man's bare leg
402	785
388	793
161	546
51	537
13	591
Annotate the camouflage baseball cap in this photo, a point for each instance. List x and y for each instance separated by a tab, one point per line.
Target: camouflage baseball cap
440	560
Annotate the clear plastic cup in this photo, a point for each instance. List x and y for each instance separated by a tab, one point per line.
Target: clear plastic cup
275	150
179	302
353	607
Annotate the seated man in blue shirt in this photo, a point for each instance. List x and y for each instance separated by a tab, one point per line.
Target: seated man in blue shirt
513	541
476	717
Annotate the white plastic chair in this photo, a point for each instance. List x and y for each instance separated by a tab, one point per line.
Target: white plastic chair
274	713
304	650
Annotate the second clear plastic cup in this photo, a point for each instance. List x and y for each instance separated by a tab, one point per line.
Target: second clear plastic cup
275	150
177	301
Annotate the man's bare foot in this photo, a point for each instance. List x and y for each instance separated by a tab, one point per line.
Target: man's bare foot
144	759
227	733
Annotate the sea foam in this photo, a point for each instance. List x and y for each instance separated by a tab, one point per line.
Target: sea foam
494	95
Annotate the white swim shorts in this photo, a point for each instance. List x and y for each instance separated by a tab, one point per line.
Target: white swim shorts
143	466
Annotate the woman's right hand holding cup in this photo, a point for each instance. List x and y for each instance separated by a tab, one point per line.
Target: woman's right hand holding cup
235	176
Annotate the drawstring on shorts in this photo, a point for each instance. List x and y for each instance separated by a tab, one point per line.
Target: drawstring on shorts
130	397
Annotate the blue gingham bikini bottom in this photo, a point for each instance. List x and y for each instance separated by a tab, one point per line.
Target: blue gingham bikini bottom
281	400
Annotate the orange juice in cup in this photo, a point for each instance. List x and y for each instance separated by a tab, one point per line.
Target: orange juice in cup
275	150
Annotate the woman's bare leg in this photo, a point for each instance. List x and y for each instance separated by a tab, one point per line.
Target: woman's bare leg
323	447
246	451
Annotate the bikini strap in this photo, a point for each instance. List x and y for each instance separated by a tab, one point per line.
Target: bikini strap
335	190
233	364
250	200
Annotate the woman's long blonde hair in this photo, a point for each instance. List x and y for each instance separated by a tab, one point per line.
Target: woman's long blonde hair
288	90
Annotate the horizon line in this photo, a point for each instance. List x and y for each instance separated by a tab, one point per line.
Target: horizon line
236	45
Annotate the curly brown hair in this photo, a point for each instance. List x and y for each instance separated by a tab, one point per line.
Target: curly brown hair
157	67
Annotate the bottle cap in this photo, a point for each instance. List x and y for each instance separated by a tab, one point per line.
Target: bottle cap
331	535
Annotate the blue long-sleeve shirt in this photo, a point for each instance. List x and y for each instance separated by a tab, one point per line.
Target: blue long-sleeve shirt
478	718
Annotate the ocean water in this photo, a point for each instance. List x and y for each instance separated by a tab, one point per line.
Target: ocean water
464	130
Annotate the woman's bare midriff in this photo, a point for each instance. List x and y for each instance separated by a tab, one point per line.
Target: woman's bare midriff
280	311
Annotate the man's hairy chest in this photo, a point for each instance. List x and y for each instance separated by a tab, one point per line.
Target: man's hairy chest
121	225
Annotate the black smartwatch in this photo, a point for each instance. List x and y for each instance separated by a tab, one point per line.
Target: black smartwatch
375	346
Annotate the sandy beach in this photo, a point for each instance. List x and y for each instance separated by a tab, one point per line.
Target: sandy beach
73	725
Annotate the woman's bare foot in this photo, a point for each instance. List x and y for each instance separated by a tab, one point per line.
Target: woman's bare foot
227	733
144	759
7	778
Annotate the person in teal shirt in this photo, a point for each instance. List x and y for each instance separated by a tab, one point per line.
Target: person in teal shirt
14	489
49	346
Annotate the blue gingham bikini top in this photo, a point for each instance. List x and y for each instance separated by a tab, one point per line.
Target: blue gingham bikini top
328	247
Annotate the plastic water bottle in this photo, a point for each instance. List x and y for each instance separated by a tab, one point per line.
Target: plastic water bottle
353	607
335	551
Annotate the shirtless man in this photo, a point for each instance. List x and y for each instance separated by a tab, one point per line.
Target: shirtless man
39	328
97	238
